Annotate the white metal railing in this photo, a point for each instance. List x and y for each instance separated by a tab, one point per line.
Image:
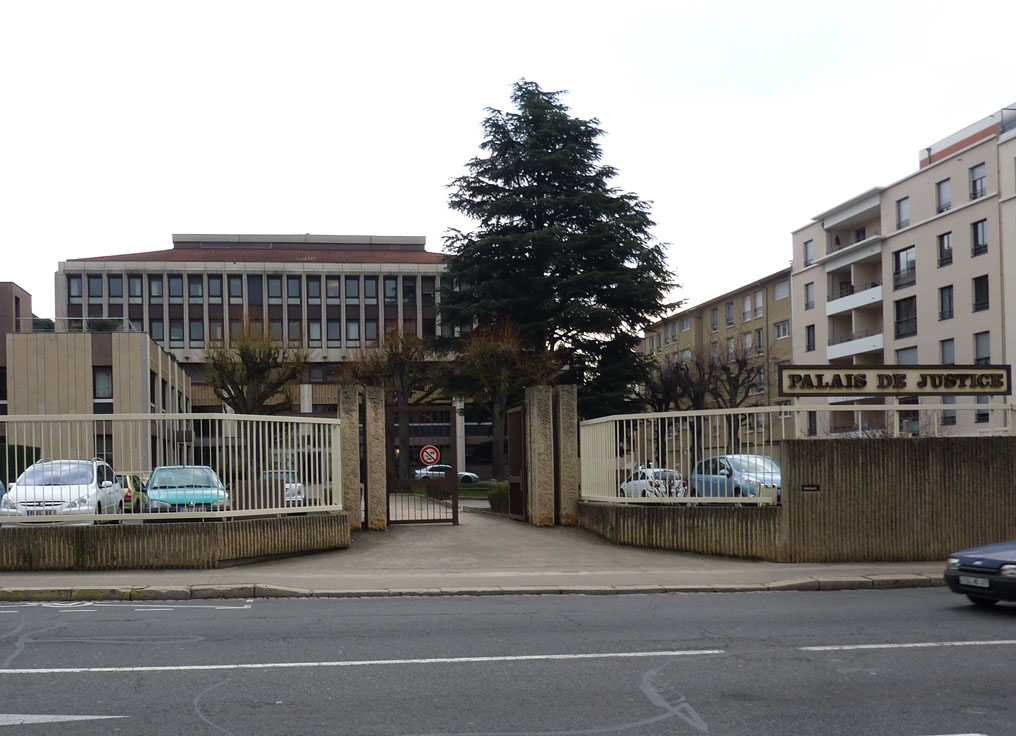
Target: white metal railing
670	457
262	465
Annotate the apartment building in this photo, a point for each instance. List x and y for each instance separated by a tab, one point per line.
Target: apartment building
332	295
752	320
917	272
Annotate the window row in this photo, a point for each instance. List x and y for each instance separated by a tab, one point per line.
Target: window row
334	332
977	178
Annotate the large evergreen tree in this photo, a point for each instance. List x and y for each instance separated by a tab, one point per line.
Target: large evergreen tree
557	250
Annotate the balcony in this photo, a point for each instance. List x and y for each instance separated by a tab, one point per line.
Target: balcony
854	296
856	343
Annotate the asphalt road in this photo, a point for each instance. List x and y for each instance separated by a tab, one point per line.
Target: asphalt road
916	662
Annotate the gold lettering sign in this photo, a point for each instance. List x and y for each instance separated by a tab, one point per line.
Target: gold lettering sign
895	380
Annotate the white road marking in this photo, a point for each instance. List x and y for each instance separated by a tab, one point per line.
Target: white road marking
153	609
20	719
352	663
77	610
918	645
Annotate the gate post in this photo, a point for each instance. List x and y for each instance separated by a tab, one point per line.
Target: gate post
540	454
566	453
377	462
349	426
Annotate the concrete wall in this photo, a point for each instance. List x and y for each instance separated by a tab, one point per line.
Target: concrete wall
167	546
750	533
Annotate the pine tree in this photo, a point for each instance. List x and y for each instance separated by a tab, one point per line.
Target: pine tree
557	250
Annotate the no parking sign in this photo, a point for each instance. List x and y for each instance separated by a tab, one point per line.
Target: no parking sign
429	455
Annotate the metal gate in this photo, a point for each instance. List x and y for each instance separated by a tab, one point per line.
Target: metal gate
423	480
518	491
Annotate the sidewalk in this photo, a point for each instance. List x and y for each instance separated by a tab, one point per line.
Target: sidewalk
485	555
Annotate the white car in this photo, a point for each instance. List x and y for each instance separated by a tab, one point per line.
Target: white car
291	481
62	489
652	482
439	471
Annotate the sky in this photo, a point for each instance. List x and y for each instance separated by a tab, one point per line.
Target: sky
126	122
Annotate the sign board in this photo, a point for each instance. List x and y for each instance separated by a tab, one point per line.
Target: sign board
429	455
895	380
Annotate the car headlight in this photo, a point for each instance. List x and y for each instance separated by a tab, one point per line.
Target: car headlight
159	506
1007	570
221	505
80	503
8	503
953	563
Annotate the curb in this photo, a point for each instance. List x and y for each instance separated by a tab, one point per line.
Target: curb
254	590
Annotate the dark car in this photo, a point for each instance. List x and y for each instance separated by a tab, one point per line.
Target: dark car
985	575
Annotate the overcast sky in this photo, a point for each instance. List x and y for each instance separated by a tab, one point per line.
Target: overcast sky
126	122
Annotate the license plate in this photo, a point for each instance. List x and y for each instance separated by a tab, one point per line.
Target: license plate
42	512
974	582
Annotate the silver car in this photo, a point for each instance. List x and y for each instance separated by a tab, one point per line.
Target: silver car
652	482
62	489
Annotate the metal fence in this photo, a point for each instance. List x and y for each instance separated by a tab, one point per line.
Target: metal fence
258	465
714	457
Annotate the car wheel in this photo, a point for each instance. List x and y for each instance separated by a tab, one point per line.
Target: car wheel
982	602
466	479
620	492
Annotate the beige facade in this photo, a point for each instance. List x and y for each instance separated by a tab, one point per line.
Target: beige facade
751	320
917	272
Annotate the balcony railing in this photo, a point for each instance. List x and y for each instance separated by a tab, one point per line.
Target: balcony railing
78	324
855	335
848	289
906	277
906	327
834	246
978	248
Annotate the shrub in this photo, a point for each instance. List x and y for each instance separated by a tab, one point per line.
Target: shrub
498	498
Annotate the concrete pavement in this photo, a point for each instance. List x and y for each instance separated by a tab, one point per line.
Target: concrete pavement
485	555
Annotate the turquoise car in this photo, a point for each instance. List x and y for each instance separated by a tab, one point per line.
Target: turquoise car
186	488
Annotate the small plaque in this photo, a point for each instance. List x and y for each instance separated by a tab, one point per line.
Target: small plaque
809	487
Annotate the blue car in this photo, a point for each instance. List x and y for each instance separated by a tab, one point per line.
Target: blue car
726	476
186	488
985	575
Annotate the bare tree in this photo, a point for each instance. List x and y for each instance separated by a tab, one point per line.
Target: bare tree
251	374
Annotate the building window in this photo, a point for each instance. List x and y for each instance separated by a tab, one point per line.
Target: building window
155	289
176	333
176	289
352	290
978	181
943	195
715	318
427	291
134	289
760	297
334	334
102	389
313	290
370	291
95	288
215	290
115	287
979	238
314	332
74	288
982	348
409	291
781	290
809	295
686	355
905	267
353	332
391	290
782	329
746	313
982	415
812	423
944	249
906	316
730	313
945	302
902	213
731	348
947	351
215	331
809	338
860	234
255	290
980	291
906	356
666	335
275	328
748	343
197	332
155	330
195	288
294	332
759	345
293	289
809	252
236	289
685	323
370	332
275	290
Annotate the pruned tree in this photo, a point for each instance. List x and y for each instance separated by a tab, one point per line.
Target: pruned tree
405	367
493	367
251	374
565	256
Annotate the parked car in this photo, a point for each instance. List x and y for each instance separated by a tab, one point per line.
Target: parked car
735	475
186	488
291	482
985	575
62	489
658	482
134	497
438	471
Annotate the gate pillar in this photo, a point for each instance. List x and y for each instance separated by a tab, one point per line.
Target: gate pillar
539	440
377	462
349	427
566	452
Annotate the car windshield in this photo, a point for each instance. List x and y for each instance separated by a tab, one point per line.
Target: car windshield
667	474
58	474
288	476
754	464
184	478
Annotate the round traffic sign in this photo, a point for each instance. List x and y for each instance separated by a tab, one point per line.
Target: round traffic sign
430	455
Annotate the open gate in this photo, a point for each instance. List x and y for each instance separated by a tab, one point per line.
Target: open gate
423	481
